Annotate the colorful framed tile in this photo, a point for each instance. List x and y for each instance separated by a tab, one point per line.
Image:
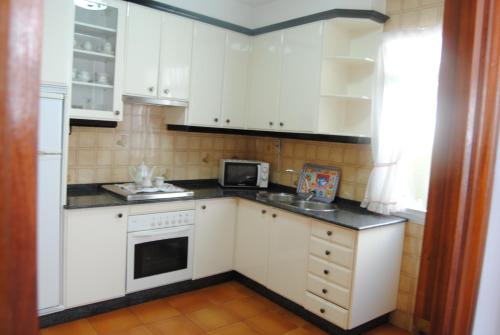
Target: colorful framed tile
322	180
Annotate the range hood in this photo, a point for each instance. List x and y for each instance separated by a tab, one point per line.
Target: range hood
130	99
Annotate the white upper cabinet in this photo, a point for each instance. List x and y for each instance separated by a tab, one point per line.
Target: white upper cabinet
207	75
235	80
300	78
98	52
57	39
175	57
142	51
264	83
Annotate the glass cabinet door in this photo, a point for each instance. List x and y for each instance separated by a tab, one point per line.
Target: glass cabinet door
97	59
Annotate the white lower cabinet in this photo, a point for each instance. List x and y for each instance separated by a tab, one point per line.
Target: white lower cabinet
94	255
214	237
272	249
288	254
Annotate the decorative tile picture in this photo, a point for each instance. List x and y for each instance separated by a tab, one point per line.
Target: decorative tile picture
320	179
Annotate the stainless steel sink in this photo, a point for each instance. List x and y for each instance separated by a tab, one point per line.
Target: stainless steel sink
295	201
286	198
314	206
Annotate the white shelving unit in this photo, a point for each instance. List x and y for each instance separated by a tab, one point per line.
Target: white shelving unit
350	48
97	54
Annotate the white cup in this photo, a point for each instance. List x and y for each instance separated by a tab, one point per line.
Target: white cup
101	77
83	76
107	48
159	181
87	45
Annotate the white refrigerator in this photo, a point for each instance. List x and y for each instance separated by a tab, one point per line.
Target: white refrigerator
49	201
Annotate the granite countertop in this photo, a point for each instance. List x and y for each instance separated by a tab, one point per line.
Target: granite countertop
349	213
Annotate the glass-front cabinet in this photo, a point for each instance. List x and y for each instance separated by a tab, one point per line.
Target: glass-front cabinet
98	49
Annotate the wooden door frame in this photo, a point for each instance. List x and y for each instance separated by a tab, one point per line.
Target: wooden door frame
20	35
462	168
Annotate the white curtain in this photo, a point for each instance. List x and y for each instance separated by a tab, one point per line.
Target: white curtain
403	118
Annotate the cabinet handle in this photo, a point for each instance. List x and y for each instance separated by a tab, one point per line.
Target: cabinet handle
274	215
117	112
228	121
151	89
325	271
322	311
325	291
329	233
264	211
216	120
166	91
203	207
281	124
271	123
120	215
327	252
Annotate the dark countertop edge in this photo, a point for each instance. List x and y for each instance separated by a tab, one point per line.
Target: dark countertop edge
207	183
369	14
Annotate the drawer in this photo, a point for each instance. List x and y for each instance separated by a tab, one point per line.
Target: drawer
330	272
332	233
328	311
331	252
331	292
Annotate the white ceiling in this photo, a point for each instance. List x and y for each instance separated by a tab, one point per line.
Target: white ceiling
254	3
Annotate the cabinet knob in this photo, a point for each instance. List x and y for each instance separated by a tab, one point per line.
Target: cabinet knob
216	119
322	311
329	233
203	207
274	215
166	91
117	112
327	252
151	89
281	124
120	215
228	121
264	211
271	123
325	271
325	291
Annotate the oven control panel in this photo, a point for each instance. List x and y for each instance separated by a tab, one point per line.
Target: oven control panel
160	220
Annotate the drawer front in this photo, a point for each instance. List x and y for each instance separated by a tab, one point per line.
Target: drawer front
330	272
331	292
334	234
328	311
331	252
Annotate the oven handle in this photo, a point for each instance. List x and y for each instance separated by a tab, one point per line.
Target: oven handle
163	233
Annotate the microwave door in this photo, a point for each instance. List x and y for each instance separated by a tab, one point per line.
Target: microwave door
241	174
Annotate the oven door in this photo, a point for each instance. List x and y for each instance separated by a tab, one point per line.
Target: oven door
239	174
159	257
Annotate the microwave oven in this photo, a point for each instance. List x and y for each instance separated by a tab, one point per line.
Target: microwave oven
243	173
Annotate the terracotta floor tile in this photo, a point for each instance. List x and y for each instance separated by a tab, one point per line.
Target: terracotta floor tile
177	325
289	316
222	293
121	319
249	307
189	302
155	310
78	327
387	330
270	324
239	328
306	330
141	330
213	317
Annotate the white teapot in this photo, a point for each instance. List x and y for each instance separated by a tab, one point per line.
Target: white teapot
142	174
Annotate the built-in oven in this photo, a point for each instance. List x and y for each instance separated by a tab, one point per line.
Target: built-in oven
160	249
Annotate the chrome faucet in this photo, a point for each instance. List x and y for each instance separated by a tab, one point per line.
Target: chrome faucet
310	193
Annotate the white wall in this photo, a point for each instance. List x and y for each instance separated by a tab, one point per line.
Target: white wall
487	321
274	12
